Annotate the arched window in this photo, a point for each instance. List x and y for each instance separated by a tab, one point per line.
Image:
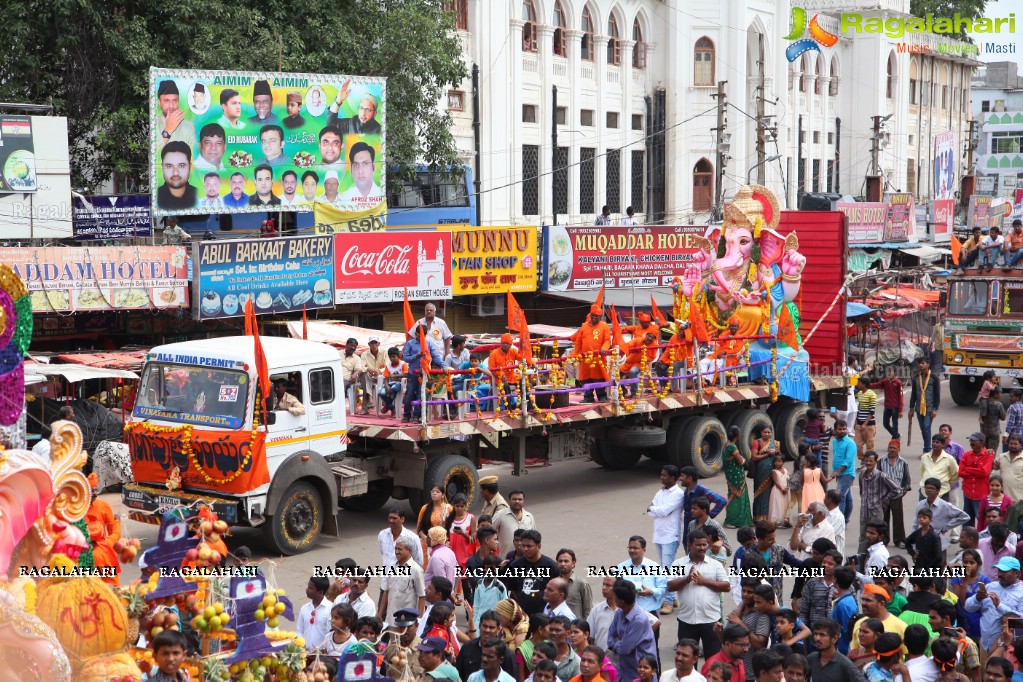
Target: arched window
818	82
586	50
833	85
944	87
529	29
639	49
914	81
890	87
703	62
614	41
560	37
703	185
804	69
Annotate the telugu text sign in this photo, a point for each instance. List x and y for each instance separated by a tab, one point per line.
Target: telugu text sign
83	278
112	217
378	266
249	141
280	275
617	257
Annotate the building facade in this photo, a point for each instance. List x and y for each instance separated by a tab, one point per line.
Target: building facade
998	109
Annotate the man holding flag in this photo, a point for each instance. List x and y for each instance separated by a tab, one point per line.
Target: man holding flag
593	337
420	355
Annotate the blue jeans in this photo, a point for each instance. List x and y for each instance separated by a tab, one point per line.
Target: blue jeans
667	552
845	484
971	507
924	420
412	392
1013	257
990	257
633	389
890	419
387	393
969	259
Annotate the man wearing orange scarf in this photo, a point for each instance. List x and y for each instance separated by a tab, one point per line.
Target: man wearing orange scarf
593	336
679	353
506	381
104	532
727	352
646	325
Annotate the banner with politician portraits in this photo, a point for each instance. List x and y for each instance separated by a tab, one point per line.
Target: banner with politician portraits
253	141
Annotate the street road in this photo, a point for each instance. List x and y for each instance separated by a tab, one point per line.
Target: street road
576	504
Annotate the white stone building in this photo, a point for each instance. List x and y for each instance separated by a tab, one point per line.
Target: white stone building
998	109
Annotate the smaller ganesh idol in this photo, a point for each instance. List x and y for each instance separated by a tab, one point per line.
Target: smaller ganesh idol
745	273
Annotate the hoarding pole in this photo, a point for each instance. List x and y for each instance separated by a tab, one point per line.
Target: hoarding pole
476	141
554	153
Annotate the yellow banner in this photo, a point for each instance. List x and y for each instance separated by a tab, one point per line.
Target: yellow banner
492	260
330	220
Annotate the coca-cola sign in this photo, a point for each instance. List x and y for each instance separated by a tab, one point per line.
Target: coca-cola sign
376	267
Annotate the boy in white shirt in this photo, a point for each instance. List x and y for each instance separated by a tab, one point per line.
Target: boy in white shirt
991	249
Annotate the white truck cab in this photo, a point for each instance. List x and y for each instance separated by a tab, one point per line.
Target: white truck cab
212	385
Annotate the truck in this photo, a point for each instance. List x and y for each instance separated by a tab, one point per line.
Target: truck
983	331
197	434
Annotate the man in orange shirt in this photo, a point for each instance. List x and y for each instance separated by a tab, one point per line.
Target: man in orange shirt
727	352
104	532
634	351
593	336
1014	244
645	325
679	353
506	381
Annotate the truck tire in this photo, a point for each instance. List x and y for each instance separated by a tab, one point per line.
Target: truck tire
675	444
617	456
964	390
788	428
749	422
297	520
596	451
454	474
640	437
703	443
374	498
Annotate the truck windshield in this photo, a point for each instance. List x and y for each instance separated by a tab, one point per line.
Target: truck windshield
968	298
193	395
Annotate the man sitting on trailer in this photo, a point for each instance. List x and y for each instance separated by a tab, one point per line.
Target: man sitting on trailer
727	355
506	381
679	353
634	357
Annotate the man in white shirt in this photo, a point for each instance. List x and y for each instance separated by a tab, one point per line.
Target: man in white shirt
699	594
555	593
685	662
314	619
509	520
289	181
211	187
603	613
877	553
630	216
833	501
358	596
815	525
991	249
666	511
365	191
437	333
388	536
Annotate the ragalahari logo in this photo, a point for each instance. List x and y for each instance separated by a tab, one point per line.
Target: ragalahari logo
818	36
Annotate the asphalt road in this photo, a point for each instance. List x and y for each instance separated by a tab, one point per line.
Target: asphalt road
576	504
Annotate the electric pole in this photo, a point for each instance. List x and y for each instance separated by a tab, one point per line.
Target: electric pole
971	145
761	128
723	147
874	184
554	153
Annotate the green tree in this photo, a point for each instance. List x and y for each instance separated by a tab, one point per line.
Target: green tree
972	9
90	60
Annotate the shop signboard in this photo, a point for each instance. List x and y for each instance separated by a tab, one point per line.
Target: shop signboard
280	276
901	217
867	221
617	257
944	214
979	212
373	267
112	217
86	278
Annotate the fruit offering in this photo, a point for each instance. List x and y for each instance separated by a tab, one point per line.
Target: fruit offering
127	549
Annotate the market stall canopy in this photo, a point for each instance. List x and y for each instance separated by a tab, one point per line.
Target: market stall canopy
854	309
75	373
906	296
926	253
549	331
131	360
336	334
622	299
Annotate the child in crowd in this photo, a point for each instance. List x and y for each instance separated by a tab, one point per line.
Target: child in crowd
169	654
923	544
985	390
813	489
313	624
342	618
790	631
395	372
478	381
813	430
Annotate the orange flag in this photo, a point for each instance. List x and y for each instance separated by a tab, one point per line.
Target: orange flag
410	319
427	357
696	322
249	319
787	333
957	246
616	332
656	313
305	325
262	372
600	298
517	322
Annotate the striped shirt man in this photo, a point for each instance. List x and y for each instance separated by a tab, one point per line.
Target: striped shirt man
866	406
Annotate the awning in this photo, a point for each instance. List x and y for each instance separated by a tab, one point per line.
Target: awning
131	360
337	334
549	331
854	309
75	373
622	298
926	253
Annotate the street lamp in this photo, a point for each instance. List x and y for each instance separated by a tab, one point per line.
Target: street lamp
769	159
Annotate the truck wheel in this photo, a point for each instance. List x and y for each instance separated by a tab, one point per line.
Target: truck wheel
674	445
749	422
703	443
297	520
454	474
964	390
789	428
596	450
636	437
617	456
374	498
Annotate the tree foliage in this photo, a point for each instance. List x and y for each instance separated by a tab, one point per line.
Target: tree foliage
971	9
90	60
